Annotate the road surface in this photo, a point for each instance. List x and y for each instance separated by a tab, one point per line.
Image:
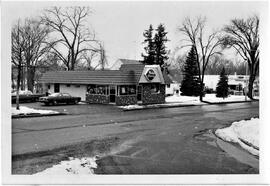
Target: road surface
157	141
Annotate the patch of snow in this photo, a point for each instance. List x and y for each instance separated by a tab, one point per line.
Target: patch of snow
22	92
182	99
245	133
27	110
230	98
72	166
132	107
82	103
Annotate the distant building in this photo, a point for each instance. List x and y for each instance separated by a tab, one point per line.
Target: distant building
236	83
120	62
173	88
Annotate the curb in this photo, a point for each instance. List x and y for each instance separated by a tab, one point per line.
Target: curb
36	115
161	106
187	105
229	102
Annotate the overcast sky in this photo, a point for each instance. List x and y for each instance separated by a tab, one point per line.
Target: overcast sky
120	24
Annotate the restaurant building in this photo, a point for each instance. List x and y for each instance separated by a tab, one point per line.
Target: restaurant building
131	84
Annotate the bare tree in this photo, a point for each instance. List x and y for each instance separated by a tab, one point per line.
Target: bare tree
89	59
35	47
103	58
243	36
17	45
205	47
72	36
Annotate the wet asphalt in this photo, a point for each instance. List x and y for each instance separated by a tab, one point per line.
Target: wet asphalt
156	141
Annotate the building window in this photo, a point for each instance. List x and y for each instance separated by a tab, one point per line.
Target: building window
127	90
49	86
68	85
155	88
97	89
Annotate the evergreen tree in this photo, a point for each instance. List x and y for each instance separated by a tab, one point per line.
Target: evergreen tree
149	57
222	86
159	44
191	84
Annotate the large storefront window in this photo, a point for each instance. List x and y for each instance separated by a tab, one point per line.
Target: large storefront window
97	89
155	88
127	90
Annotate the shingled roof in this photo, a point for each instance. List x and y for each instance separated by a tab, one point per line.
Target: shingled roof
130	62
129	74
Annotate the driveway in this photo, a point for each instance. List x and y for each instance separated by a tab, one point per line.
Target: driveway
171	140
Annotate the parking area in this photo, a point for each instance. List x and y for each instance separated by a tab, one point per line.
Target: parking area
78	109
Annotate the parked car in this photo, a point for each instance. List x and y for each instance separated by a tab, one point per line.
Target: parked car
59	98
25	96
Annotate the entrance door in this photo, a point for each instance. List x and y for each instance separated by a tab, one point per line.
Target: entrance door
56	87
139	93
112	94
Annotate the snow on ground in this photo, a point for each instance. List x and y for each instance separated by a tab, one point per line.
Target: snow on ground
230	98
164	105
72	166
27	110
178	100
208	97
245	133
182	99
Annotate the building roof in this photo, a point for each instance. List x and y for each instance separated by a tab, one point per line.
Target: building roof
127	75
117	65
129	61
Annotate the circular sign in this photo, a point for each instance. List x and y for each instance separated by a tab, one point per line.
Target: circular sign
150	75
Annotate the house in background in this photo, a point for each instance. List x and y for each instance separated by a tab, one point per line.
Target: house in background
236	83
175	78
117	65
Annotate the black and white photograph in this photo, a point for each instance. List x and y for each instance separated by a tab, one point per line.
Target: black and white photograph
136	90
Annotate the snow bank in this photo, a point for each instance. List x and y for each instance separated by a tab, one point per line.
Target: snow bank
208	98
245	133
230	98
27	110
182	99
72	166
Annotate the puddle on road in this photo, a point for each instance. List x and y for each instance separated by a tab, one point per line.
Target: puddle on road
231	149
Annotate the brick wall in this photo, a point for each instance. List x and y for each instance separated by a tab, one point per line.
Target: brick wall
152	98
90	98
126	100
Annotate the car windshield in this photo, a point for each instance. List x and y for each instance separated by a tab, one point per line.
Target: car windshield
54	95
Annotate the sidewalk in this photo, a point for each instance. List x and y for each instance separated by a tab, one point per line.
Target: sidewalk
185	101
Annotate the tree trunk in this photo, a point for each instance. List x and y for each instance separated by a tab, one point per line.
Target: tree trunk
22	77
18	88
30	78
202	87
250	86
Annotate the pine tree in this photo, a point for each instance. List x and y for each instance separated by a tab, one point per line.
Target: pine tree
191	84
159	43
222	86
149	58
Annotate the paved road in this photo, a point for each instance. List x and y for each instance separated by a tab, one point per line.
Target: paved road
171	140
